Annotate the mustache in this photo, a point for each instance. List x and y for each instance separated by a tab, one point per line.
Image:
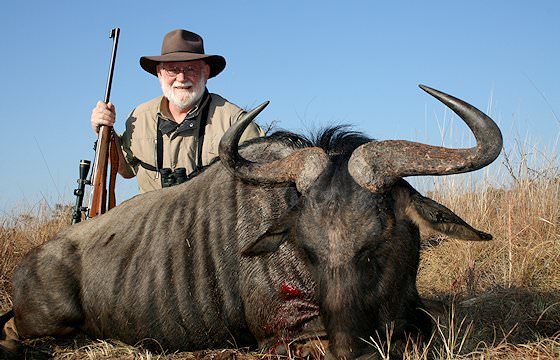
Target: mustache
177	84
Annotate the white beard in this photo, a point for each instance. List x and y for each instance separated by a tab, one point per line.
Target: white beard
183	98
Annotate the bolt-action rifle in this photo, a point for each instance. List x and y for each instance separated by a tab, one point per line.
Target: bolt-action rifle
101	199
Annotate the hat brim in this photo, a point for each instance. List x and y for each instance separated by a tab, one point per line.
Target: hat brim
217	63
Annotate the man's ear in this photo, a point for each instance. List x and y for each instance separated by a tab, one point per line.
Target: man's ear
428	214
206	69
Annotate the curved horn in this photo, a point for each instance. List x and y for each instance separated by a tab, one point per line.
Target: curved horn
301	167
378	164
228	149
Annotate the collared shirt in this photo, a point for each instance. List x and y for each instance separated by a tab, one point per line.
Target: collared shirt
189	124
180	141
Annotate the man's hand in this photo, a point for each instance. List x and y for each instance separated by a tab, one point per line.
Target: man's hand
102	114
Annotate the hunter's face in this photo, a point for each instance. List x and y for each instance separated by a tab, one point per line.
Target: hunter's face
183	83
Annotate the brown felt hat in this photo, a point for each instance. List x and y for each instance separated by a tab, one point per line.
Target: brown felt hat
183	45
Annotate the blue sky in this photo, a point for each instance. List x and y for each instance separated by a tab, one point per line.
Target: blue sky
318	62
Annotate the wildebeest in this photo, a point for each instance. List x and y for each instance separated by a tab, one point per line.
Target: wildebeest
282	238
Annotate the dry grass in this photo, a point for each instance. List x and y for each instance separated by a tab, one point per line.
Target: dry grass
491	300
20	233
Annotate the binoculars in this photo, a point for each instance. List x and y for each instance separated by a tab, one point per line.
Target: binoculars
171	178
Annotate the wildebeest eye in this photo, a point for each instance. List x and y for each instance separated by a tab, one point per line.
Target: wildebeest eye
311	255
365	257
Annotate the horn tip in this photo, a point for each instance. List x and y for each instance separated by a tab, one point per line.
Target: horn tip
427	89
440	95
260	108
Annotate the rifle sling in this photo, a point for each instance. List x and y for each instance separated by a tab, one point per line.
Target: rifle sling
114	161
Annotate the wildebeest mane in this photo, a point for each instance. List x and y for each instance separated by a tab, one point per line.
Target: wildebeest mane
336	140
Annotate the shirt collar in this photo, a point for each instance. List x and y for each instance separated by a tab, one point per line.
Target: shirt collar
167	125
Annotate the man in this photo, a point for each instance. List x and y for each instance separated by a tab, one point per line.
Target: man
183	127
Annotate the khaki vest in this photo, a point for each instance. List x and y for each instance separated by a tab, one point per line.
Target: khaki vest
179	151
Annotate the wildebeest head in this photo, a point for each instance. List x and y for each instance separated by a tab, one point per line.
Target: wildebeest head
357	220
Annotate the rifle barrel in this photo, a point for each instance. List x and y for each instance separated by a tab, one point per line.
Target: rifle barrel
115	36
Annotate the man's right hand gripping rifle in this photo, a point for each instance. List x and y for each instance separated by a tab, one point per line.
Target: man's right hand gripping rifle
105	115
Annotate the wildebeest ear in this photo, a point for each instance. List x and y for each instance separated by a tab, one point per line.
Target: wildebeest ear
428	214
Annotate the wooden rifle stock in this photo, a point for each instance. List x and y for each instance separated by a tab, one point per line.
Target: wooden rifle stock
99	178
103	200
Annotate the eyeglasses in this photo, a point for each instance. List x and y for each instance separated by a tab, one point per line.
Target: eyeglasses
173	71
